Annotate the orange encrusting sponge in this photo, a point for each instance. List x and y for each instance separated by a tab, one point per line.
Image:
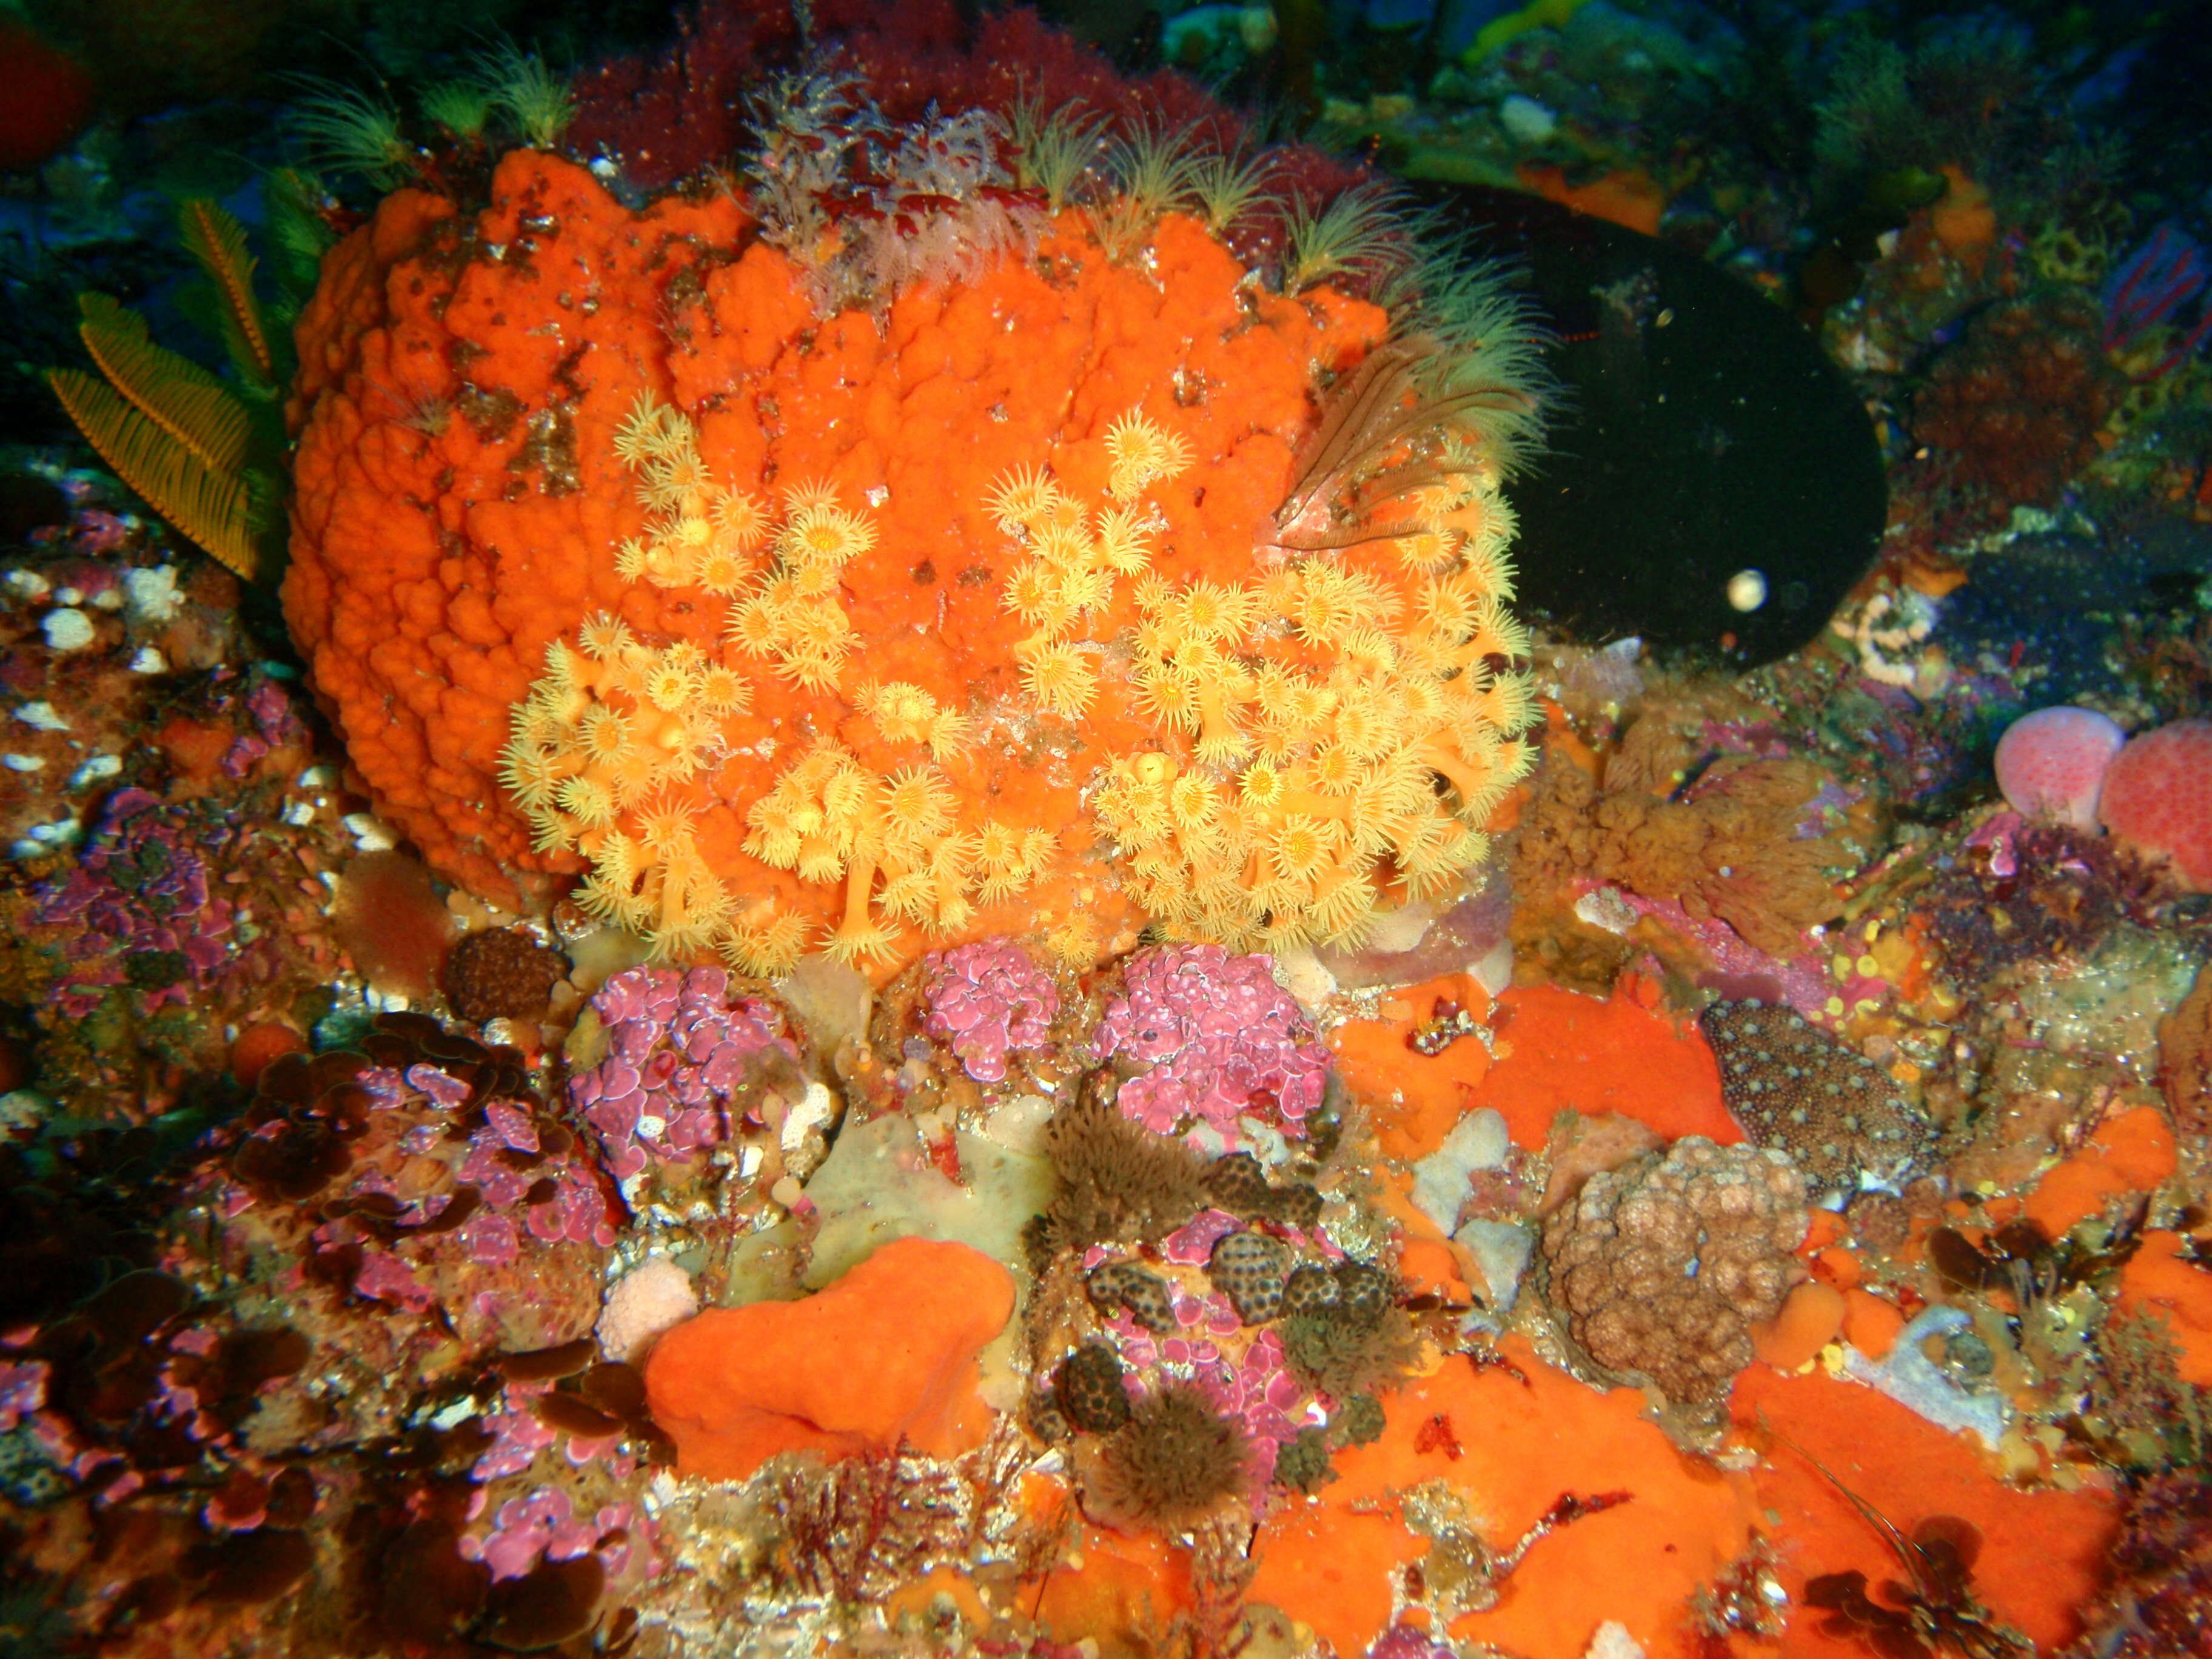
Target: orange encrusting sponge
1556	1049
2041	1550
1011	538
886	1354
1508	1448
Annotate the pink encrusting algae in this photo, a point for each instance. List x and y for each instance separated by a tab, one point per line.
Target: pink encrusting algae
1218	1039
989	1000
677	1044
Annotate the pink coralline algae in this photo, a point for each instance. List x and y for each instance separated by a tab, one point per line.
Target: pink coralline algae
1192	1244
23	1390
276	723
1260	1391
1410	1642
422	1176
678	1045
551	1199
1221	1040
544	1526
138	906
1200	1322
988	1000
518	1434
1255	1386
1738	968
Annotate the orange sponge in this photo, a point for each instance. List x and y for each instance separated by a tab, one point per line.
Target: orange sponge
2133	1153
1505	1445
1065	592
1558	1049
2041	1550
886	1353
2161	1281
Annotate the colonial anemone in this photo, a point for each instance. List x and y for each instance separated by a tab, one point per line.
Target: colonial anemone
799	583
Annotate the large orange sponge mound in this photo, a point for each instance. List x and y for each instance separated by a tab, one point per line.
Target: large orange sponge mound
886	1354
1079	581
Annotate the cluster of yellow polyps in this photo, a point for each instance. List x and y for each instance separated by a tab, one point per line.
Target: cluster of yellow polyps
607	730
695	533
830	819
906	714
613	727
1315	707
698	534
1304	718
1075	557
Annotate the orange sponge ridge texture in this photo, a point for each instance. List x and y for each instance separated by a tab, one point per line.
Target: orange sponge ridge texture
460	503
887	1353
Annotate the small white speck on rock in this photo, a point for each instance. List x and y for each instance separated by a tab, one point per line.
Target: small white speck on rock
151	596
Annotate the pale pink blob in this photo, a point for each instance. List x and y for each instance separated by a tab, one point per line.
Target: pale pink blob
2051	765
654	1296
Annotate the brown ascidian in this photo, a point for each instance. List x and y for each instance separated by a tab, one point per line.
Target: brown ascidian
1796	1087
1325	740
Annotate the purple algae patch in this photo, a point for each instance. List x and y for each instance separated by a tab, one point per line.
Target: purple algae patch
988	1001
412	1262
1222	1040
678	1046
138	905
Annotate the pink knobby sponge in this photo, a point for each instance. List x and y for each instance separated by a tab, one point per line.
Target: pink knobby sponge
2051	765
654	1296
2158	799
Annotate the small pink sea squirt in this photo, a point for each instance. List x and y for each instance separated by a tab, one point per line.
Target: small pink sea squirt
2051	764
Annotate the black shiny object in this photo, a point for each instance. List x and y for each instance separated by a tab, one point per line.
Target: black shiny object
1704	433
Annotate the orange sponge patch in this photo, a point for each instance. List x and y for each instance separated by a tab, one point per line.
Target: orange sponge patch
2159	1281
2133	1153
1556	1048
1503	1451
2041	1551
888	1352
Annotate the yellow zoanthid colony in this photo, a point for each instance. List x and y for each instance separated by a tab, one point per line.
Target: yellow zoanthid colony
1096	583
1302	720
